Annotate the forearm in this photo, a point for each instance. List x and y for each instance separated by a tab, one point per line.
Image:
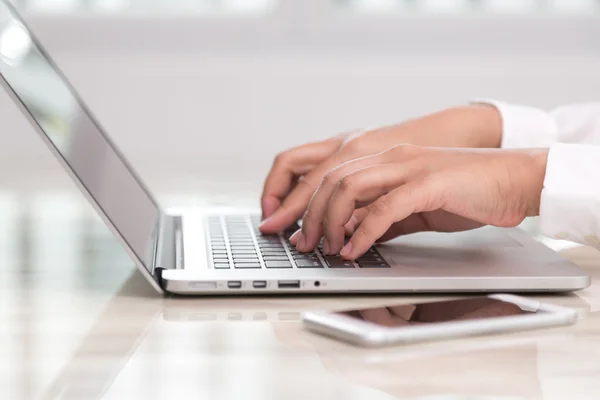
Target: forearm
475	126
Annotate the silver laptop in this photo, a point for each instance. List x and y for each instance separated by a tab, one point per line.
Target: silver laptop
203	251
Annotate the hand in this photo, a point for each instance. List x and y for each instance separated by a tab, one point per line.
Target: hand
410	189
297	173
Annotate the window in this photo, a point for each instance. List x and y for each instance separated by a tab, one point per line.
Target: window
148	6
470	6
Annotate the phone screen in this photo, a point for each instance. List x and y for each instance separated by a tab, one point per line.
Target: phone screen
435	312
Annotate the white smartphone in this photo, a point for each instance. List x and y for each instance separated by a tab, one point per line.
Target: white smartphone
421	322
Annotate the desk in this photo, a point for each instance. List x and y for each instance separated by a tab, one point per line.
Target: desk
78	322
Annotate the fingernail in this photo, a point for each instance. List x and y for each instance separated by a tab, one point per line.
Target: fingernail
301	241
326	247
346	250
265	221
294	237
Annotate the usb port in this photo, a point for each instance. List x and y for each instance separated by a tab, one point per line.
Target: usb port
234	284
259	284
288	284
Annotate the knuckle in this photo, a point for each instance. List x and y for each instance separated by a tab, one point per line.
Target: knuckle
363	233
304	189
355	145
380	208
348	183
331	178
404	149
303	183
282	158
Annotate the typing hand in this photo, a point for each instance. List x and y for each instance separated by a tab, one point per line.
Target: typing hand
297	173
410	189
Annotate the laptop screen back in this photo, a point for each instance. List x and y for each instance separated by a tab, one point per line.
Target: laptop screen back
54	106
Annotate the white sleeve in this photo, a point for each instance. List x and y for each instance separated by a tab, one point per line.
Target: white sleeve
529	127
570	200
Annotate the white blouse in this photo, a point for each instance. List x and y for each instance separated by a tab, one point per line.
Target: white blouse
570	202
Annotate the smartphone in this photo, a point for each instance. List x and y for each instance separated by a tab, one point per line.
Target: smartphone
440	320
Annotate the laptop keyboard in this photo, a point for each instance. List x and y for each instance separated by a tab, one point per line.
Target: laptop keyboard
236	243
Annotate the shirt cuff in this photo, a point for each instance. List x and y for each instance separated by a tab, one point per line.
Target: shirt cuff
570	201
523	126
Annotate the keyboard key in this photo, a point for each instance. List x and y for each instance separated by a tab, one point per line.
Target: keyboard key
273	252
245	260
342	265
338	262
305	256
221	266
270	244
242	252
271	248
278	264
370	257
272	240
241	248
219	251
276	258
247	266
308	264
376	264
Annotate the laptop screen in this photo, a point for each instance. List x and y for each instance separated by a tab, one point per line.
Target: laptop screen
55	107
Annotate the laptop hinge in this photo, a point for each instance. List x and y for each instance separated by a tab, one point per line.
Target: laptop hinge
169	244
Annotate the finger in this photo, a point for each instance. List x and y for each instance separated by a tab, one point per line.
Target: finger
413	224
380	316
413	197
290	165
354	222
313	219
296	202
361	187
291	208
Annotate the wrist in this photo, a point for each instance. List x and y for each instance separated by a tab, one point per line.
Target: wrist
485	126
474	126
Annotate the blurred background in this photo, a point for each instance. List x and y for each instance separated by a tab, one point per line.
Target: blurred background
201	92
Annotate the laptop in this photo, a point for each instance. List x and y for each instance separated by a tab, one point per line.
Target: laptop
210	252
